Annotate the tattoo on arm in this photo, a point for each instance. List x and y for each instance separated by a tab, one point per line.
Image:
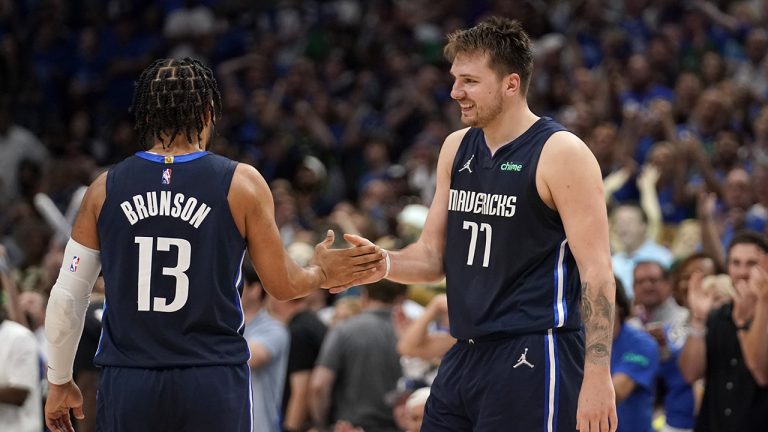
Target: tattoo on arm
597	315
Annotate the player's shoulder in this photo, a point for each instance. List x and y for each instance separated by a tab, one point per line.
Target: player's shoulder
248	185
455	138
451	145
97	190
565	148
566	141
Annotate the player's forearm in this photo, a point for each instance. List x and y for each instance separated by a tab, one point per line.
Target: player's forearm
301	282
417	263
67	304
597	304
692	362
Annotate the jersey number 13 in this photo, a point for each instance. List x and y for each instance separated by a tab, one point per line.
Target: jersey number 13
146	250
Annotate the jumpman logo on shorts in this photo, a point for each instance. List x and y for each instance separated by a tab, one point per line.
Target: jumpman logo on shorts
522	360
466	165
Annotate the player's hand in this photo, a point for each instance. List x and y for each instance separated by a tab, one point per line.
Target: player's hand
60	399
346	266
374	276
597	403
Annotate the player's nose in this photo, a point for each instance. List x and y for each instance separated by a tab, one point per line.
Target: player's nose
457	92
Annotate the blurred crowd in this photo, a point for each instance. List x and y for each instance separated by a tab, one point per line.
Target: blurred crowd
343	105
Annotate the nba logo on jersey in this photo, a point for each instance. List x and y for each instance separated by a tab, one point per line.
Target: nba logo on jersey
166	176
73	265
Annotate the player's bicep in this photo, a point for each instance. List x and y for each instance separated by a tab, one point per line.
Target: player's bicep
255	209
433	234
572	177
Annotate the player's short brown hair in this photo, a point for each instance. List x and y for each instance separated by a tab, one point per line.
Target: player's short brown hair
504	40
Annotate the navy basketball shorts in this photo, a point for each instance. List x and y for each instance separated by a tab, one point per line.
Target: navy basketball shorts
516	383
187	399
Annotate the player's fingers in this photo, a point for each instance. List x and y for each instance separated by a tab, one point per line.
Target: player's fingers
604	427
594	425
614	421
78	412
373	258
364	273
67	422
51	423
356	240
59	425
342	288
329	238
362	250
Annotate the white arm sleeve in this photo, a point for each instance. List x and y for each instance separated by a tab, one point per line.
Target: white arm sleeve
65	315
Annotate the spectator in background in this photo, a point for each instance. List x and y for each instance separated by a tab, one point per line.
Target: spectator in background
664	320
268	341
630	225
759	146
358	364
306	337
681	275
634	363
721	222
654	304
752	73
414	408
20	393
642	88
724	348
16	144
419	341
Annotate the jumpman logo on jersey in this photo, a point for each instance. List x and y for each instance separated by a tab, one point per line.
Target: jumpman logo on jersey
522	360
466	165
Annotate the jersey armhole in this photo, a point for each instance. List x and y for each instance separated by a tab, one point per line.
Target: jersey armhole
464	142
107	187
226	181
540	206
226	186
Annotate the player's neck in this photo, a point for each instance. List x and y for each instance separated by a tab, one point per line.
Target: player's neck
176	147
508	125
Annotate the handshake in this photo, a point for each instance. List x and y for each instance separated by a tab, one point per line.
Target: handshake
362	263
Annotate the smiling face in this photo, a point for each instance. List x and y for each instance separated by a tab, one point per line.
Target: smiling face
478	89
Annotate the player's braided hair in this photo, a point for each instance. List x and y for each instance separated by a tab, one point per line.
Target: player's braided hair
174	96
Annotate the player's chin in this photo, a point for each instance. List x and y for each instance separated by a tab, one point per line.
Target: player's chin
469	120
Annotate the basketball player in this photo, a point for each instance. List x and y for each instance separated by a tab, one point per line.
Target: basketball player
519	200
169	228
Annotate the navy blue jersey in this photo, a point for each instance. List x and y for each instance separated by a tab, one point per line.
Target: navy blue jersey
171	258
507	261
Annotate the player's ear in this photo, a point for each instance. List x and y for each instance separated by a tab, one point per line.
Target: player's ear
512	84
